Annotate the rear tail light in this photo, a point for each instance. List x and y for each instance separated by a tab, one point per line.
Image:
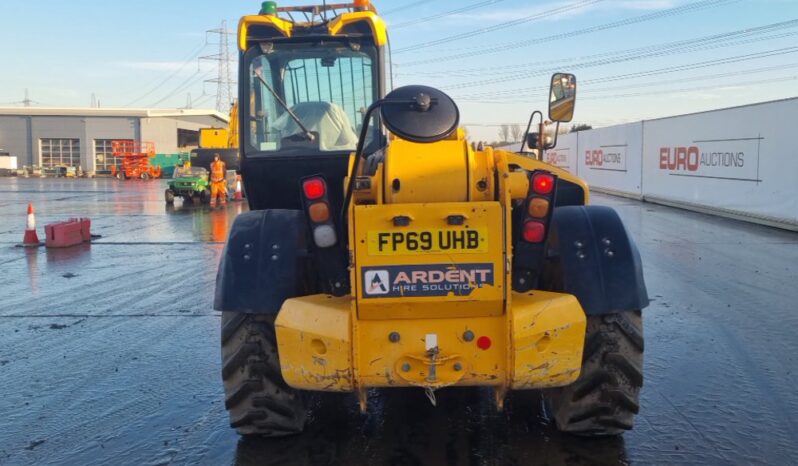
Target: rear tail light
529	238
534	232
314	188
542	183
317	209
324	236
319	212
538	207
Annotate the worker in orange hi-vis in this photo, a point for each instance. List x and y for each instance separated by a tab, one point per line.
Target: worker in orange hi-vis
218	181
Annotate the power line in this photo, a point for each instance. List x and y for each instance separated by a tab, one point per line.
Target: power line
688	45
190	81
515	22
191	57
689	8
693	89
403	7
445	14
602	62
202	99
769	80
666	70
541	91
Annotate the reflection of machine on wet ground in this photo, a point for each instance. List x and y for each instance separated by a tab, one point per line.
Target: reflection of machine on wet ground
401	427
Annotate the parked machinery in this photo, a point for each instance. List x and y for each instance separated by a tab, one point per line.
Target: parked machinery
135	159
382	250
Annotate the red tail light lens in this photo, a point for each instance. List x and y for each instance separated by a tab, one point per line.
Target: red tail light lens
534	232
543	183
314	188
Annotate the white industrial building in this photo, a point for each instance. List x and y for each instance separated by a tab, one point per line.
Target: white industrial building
72	137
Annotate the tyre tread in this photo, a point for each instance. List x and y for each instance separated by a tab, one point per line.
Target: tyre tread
605	398
257	398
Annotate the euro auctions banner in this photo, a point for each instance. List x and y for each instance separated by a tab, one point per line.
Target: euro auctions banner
611	158
740	159
565	154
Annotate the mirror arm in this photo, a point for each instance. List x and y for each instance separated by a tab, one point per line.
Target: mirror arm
361	142
554	143
528	128
350	187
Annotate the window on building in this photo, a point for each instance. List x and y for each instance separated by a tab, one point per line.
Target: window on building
60	152
104	154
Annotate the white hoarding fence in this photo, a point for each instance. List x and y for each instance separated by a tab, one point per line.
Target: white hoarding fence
610	158
739	161
565	154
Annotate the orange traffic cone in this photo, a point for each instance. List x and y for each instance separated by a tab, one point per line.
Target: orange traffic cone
30	239
238	194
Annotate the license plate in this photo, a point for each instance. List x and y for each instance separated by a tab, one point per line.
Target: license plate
434	240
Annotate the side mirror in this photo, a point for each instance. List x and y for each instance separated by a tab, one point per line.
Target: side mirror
562	97
532	140
419	114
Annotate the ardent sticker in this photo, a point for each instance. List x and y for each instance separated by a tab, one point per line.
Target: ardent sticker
425	280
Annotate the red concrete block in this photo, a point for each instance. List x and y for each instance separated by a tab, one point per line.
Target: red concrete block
85	229
68	233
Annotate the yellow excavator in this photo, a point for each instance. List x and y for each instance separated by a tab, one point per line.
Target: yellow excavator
382	250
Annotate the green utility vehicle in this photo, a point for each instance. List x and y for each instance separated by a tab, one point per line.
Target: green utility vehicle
190	183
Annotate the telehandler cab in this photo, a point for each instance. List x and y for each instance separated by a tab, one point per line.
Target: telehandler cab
382	250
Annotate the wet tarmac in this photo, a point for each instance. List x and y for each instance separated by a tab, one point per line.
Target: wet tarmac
109	352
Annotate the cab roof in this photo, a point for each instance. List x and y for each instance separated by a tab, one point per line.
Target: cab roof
338	20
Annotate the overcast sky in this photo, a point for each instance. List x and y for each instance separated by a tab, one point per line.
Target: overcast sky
633	59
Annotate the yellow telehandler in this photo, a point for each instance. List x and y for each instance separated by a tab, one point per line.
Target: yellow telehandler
382	250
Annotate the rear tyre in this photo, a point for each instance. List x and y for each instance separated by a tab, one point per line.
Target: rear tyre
256	396
120	175
169	196
205	196
606	397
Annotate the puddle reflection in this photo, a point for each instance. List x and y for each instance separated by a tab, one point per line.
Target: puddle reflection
207	224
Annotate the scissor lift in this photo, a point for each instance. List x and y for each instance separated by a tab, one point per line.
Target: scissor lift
135	159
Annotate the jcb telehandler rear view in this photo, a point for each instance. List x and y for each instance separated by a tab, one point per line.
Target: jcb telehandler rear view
382	250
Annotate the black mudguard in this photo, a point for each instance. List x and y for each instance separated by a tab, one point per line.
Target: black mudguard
262	264
599	262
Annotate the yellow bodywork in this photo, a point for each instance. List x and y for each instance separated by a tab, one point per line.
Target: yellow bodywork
285	28
221	138
430	247
214	138
414	331
536	344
